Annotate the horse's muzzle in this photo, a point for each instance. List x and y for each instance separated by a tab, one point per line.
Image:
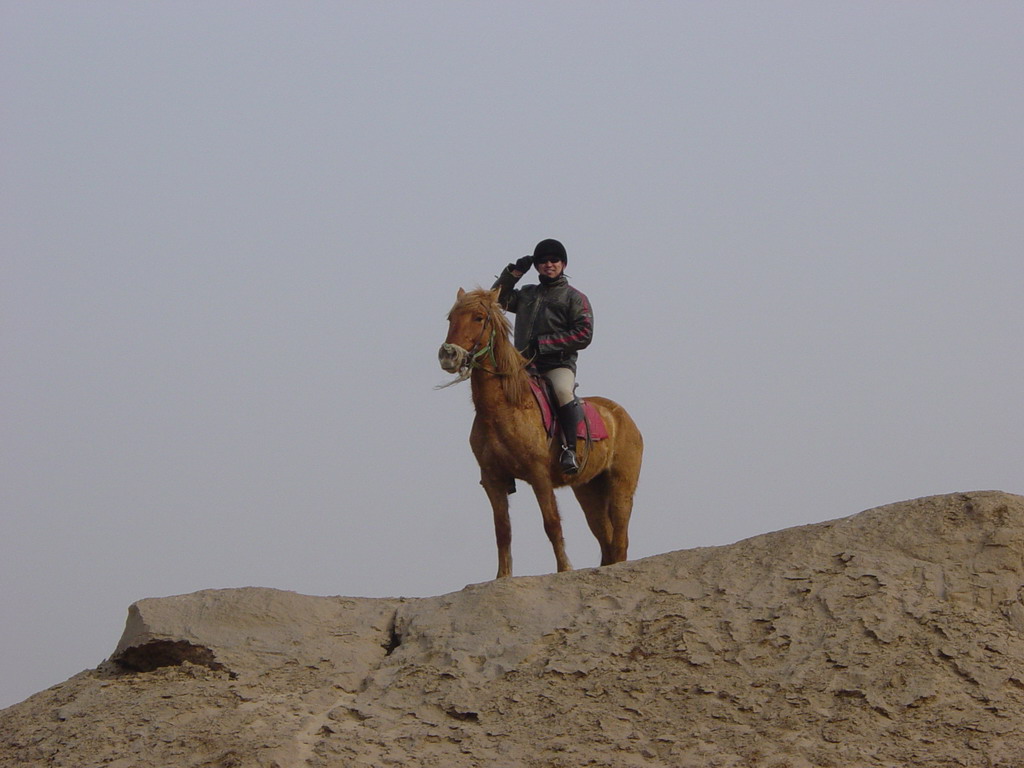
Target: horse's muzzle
452	357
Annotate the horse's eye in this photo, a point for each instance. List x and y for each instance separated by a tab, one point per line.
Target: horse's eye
479	318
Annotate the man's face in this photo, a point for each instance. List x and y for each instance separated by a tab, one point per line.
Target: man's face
550	269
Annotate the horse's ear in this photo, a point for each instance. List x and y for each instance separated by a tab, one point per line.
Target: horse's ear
460	294
495	294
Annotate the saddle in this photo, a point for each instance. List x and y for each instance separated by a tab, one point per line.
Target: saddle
591	426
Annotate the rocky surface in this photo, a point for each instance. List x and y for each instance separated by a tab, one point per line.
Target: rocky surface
894	637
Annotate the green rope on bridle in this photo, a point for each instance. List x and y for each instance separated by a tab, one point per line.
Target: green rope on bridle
487	349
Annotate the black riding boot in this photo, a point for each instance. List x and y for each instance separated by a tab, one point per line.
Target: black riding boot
569	416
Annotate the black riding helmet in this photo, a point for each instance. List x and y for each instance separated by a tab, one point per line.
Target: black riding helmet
549	249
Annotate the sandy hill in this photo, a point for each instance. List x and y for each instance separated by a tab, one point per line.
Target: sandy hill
894	637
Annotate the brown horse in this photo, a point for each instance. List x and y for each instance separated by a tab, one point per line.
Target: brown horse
510	442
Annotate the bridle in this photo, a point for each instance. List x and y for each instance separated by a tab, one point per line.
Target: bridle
476	354
479	349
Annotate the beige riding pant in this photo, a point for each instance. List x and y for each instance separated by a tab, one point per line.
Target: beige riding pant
563	381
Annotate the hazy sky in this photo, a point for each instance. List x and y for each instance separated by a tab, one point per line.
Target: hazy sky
231	232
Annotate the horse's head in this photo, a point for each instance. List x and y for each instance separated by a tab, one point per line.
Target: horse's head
472	324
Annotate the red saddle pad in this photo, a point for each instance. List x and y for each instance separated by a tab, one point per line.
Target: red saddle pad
591	417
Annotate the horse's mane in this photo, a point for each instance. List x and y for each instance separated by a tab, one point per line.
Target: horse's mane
509	364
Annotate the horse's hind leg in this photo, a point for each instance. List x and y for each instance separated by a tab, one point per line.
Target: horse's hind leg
621	487
497	493
545	494
593	498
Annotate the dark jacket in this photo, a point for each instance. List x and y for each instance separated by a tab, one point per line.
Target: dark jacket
553	321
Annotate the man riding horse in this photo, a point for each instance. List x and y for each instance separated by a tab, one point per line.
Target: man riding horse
554	321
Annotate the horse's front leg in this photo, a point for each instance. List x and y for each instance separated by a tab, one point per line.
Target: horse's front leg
545	494
497	493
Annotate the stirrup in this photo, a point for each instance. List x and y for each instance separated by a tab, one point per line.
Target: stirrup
568	462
